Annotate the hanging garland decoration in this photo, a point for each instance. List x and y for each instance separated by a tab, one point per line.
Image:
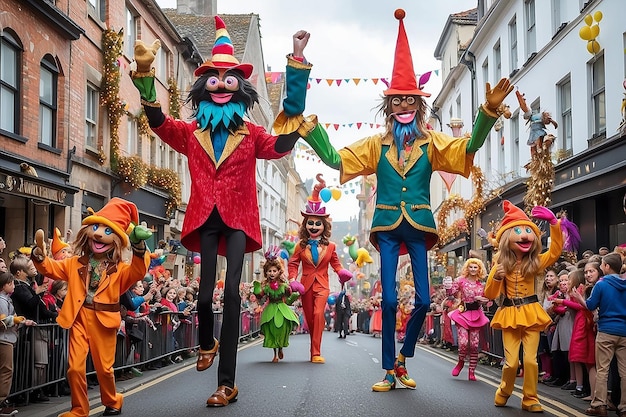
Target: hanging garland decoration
168	180
112	43
540	182
471	209
174	109
132	170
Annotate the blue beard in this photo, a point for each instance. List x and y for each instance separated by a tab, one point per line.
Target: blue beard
228	116
404	133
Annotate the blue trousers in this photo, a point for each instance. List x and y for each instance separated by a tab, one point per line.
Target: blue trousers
389	245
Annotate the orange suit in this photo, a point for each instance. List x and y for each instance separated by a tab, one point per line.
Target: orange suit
93	327
316	287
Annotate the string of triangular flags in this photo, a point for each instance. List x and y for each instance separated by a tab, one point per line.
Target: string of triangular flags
275	77
306	153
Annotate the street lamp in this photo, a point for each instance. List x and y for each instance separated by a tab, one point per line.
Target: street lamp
257	273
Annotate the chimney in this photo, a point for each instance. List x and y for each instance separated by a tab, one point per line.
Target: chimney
198	7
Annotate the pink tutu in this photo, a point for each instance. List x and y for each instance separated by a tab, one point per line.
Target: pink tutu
469	319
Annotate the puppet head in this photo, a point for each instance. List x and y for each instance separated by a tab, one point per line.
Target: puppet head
222	93
315	223
518	239
59	249
106	231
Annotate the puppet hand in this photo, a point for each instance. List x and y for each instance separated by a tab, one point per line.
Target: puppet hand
495	96
543	213
300	39
256	287
522	101
344	276
139	233
296	286
145	55
18	319
39	251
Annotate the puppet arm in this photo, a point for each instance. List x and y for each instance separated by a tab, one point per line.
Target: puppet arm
143	78
488	113
318	140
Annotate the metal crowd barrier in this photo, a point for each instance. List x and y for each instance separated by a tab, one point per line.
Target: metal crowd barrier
165	339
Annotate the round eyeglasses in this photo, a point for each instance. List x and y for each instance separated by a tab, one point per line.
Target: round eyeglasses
396	101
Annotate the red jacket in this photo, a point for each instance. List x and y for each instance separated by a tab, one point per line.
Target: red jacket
228	184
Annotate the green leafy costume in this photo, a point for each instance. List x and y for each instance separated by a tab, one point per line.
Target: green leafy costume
277	319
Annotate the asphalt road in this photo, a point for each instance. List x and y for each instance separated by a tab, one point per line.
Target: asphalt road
340	387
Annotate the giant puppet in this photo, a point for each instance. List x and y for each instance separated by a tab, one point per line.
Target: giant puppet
222	215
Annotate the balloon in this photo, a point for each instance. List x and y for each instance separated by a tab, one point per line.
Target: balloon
367	285
593	47
352	283
284	254
325	195
597	16
336	193
588	20
585	33
595	31
363	257
196	259
332	300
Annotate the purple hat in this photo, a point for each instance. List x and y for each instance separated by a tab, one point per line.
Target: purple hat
314	205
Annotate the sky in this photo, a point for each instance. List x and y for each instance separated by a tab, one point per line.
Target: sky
349	39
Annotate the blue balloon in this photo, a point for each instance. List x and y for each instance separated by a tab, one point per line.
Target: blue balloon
325	195
332	300
284	254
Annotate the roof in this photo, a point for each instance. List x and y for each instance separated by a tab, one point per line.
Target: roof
468	17
201	30
274	92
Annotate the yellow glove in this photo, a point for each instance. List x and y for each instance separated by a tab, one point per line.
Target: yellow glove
145	55
40	250
495	96
18	319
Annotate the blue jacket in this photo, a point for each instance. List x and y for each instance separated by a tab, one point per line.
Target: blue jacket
609	297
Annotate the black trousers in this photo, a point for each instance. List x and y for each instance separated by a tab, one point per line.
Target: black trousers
211	233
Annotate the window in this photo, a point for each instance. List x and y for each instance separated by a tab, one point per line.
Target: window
531	28
130	32
515	166
488	155
485	72
161	64
172	164
48	75
153	151
92	100
558	14
497	62
458	106
501	136
565	97
9	83
95	8
597	96
513	43
131	142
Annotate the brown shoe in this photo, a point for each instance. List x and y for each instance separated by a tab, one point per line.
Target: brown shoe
596	411
223	396
205	357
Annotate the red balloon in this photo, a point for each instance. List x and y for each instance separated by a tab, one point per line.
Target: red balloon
196	259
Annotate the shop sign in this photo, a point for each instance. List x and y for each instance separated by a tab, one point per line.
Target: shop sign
20	185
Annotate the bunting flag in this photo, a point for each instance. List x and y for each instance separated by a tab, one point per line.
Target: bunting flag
273	77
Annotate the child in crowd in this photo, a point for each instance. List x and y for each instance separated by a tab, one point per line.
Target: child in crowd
9	323
548	289
582	344
277	319
564	328
609	297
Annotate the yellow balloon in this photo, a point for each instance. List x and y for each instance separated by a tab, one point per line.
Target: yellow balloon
593	47
597	16
588	20
595	31
336	193
585	33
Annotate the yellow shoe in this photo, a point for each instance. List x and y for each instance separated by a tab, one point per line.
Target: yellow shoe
387	384
318	359
500	400
533	408
403	376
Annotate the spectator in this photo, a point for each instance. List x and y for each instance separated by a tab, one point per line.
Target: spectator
343	313
28	303
603	251
3	265
548	289
563	336
9	323
609	297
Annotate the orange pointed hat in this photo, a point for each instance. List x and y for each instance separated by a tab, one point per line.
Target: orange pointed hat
514	216
403	81
223	54
119	214
57	244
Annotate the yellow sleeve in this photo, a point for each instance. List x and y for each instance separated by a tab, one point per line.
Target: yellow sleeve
360	158
449	154
493	288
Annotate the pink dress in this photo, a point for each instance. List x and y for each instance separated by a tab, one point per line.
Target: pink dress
472	317
582	345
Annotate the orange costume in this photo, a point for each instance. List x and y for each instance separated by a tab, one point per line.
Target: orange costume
314	233
91	310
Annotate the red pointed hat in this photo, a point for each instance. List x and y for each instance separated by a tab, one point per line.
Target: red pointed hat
514	216
314	205
119	214
223	53
403	81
